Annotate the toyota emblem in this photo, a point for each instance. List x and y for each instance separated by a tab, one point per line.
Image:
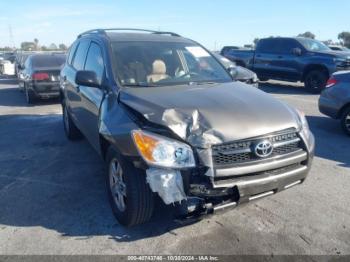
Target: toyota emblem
263	148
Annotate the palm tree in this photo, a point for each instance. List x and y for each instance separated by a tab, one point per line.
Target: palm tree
36	43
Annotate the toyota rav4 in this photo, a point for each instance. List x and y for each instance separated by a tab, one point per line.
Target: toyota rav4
169	120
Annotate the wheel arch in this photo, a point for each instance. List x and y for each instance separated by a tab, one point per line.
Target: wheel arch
317	67
104	145
342	110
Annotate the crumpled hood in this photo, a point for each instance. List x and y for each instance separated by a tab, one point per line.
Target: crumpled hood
210	114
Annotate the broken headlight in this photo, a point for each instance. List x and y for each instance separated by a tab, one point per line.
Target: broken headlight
161	151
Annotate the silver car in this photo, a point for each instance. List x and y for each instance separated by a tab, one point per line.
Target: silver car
335	99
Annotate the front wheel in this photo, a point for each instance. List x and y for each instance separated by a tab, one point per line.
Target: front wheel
130	197
345	121
315	81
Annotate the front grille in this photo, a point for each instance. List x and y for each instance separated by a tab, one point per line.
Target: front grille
285	149
272	172
243	151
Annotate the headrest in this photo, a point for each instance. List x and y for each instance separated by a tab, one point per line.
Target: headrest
159	67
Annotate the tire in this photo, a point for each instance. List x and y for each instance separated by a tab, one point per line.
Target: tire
130	197
30	96
315	81
345	121
70	129
20	87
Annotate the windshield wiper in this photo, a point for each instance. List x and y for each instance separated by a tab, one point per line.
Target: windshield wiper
140	85
203	83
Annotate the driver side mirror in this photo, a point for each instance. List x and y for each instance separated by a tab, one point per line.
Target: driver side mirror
232	71
87	78
297	51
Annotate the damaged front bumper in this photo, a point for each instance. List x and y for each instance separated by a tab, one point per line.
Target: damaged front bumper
196	194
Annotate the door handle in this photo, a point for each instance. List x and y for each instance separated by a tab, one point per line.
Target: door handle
280	57
258	55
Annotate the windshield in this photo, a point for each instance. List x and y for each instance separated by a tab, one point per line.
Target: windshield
165	63
313	45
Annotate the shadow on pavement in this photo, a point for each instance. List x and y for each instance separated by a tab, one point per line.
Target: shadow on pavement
8	79
283	88
12	96
49	182
331	142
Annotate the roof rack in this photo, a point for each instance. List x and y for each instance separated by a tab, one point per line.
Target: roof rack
103	31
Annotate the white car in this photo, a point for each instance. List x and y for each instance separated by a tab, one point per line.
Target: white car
6	67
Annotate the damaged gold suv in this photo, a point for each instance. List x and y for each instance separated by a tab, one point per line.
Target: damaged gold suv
169	120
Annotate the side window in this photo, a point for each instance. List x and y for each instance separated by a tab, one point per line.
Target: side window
267	46
94	61
71	52
27	63
80	55
286	45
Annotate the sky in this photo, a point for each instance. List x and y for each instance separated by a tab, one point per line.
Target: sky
212	23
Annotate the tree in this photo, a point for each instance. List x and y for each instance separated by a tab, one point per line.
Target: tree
6	48
328	42
44	48
53	47
27	46
307	34
255	41
62	47
36	43
344	38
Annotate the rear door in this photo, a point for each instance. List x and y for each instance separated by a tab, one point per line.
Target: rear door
91	97
265	55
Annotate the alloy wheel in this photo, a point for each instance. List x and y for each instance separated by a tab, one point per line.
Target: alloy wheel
347	122
314	82
117	184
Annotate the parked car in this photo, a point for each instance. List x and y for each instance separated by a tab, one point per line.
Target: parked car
7	68
6	63
225	49
292	59
335	99
41	76
9	56
19	67
167	118
339	48
239	73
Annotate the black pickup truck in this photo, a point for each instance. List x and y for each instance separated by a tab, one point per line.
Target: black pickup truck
292	59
